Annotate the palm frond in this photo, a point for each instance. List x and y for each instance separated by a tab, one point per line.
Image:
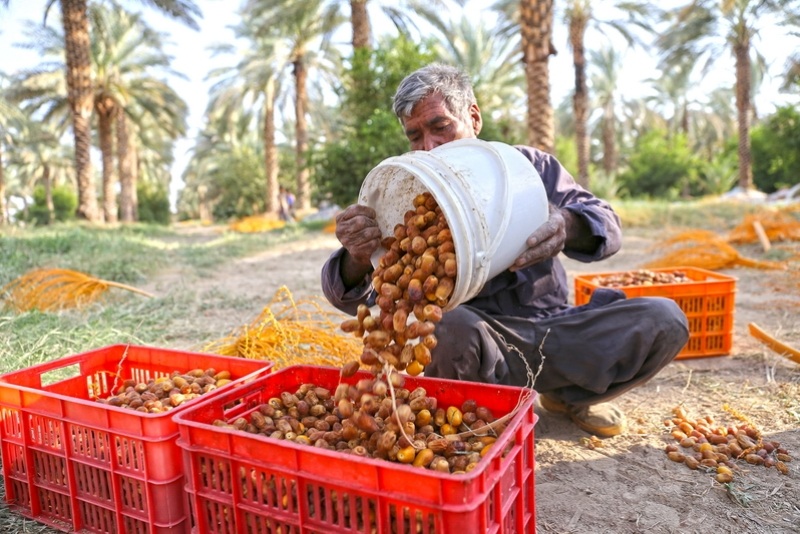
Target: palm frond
56	289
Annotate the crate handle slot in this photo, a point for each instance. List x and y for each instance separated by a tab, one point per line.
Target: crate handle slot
48	378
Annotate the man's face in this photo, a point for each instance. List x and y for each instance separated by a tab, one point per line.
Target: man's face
431	124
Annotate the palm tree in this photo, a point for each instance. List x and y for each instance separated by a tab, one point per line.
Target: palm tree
486	55
79	96
125	55
606	65
400	12
9	119
579	15
40	158
703	29
301	24
533	21
671	95
714	123
792	74
254	82
79	84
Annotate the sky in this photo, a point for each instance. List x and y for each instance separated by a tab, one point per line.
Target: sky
188	49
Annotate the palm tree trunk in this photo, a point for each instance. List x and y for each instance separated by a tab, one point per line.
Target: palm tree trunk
301	131
106	109
3	207
127	191
741	51
536	22
270	150
685	118
580	100
48	194
134	178
359	18
609	142
79	94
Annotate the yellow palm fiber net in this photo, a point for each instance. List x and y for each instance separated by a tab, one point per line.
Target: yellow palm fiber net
291	332
706	250
778	226
56	289
256	223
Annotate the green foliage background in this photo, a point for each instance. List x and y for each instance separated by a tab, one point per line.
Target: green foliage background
371	132
775	145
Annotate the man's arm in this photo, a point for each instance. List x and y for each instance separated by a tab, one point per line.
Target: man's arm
579	235
593	229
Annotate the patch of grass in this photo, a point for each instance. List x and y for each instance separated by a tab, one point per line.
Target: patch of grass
708	214
122	255
127	254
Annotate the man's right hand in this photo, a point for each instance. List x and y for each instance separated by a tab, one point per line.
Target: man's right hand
358	232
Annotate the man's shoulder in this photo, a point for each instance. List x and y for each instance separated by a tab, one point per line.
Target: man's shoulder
543	162
532	153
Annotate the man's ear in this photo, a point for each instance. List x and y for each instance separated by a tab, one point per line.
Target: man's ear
477	119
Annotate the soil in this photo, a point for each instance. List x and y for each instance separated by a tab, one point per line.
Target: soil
625	484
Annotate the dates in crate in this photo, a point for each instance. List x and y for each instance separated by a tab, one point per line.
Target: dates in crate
641	277
364	420
164	393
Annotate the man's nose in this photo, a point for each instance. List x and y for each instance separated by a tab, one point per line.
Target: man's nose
430	143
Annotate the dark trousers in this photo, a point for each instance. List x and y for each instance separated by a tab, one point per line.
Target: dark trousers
592	353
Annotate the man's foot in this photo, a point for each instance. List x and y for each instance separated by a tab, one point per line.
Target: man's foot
553	405
604	419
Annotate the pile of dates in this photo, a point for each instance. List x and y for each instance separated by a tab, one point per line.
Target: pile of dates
364	420
716	448
164	393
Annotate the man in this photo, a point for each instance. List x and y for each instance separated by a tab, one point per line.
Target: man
592	353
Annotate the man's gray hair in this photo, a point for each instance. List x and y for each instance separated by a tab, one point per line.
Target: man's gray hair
452	83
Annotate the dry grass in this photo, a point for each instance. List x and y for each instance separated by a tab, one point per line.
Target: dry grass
289	332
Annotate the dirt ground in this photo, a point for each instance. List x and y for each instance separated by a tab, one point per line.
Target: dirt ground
627	484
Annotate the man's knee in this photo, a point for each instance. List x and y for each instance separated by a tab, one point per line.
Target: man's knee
671	318
456	354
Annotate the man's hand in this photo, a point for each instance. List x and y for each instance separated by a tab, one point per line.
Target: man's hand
546	242
358	232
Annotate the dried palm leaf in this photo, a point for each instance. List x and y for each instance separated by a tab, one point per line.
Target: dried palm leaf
777	226
289	332
778	346
705	250
55	289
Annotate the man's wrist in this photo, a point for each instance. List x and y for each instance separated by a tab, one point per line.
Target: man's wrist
579	234
352	271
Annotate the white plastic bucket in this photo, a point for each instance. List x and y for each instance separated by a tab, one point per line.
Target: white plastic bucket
490	194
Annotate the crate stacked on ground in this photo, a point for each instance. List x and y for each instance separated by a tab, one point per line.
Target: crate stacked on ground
706	297
77	463
240	481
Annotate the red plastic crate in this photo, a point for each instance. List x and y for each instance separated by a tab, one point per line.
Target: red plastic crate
707	300
79	465
240	482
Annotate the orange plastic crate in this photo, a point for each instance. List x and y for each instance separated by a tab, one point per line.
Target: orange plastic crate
240	482
78	465
707	301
